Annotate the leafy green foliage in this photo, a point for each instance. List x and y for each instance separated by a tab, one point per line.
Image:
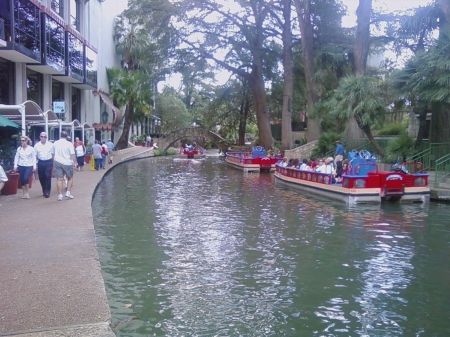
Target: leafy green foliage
325	144
392	130
402	147
173	112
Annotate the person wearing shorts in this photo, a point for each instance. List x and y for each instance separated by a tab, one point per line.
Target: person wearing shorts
64	163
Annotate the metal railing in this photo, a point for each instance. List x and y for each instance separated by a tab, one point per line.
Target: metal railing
429	156
442	169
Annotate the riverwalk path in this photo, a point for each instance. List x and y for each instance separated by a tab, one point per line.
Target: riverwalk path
50	277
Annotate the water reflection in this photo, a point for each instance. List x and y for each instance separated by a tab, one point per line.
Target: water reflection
194	248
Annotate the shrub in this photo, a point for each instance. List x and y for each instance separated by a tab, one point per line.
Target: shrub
171	151
325	145
392	130
402	147
157	152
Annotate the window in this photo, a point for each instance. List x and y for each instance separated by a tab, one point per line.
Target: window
91	68
75	14
57	90
54	48
76	104
57	7
76	58
27	28
6	82
34	86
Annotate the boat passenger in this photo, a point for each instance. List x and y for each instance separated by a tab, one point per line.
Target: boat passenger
327	167
283	163
303	165
319	163
313	164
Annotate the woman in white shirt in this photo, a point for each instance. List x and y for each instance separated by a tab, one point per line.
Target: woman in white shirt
25	163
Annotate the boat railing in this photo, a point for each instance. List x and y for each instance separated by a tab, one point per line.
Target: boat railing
414	167
362	168
316	177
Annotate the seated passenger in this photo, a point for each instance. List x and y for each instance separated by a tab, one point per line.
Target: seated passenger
327	167
304	165
283	163
313	164
319	163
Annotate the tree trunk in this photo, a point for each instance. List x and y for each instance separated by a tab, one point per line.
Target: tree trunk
440	121
360	54
307	39
422	125
122	143
245	109
256	81
286	120
368	132
362	41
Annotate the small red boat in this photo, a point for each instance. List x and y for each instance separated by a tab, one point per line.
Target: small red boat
190	153
252	161
364	183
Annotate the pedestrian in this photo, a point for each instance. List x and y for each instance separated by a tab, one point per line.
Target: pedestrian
339	152
44	154
104	153
149	140
97	152
80	151
64	163
25	164
3	178
110	146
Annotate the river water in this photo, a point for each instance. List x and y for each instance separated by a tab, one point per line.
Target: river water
196	248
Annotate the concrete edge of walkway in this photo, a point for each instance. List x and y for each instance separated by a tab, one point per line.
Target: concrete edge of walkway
90	329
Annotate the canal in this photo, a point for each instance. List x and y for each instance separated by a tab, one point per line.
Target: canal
196	248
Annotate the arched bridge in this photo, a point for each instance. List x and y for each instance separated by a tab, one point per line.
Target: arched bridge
195	133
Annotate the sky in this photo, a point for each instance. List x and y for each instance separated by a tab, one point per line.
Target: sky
348	21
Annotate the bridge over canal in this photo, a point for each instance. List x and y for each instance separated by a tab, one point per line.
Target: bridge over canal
194	133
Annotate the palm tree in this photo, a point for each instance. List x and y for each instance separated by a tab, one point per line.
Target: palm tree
133	90
360	97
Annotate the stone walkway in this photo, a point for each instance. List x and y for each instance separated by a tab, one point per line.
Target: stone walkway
50	278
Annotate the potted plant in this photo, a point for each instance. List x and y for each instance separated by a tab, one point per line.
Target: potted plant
88	154
7	154
134	138
141	140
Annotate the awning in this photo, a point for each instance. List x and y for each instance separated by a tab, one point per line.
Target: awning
117	117
27	113
103	126
5	122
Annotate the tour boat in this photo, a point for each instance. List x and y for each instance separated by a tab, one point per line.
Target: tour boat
364	183
192	154
252	161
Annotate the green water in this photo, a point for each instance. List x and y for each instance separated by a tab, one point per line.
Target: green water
196	248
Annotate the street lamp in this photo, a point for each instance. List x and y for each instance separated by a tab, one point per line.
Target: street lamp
105	117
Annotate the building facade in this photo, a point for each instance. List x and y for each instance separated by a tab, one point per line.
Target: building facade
55	53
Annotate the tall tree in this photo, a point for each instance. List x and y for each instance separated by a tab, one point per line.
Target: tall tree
131	89
237	39
304	15
360	54
361	98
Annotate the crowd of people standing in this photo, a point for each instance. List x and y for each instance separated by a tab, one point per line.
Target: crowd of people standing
59	159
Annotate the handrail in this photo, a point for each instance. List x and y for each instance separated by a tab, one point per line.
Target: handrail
442	169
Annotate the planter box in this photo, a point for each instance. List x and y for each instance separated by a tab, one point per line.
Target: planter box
11	185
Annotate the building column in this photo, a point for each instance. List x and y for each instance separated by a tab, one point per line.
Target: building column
47	92
20	74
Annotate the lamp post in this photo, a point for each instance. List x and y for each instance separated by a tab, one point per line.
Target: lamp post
105	117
